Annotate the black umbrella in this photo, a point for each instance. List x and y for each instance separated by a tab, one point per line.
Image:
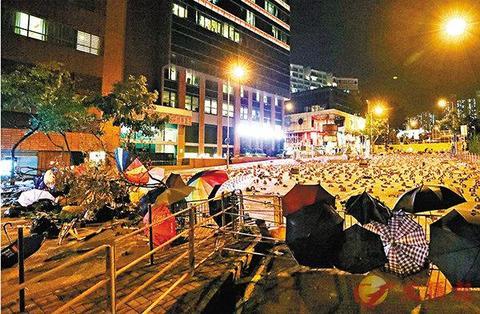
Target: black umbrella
174	180
149	198
313	235
215	206
365	208
31	244
361	251
455	247
428	197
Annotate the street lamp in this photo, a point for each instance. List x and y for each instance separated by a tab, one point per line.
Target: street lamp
378	110
455	26
237	72
442	103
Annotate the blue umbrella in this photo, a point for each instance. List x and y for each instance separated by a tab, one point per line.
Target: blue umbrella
122	159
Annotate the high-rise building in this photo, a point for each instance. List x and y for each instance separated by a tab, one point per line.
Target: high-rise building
305	78
185	48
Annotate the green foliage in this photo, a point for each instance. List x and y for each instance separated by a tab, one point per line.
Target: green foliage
47	93
474	144
131	105
451	120
375	126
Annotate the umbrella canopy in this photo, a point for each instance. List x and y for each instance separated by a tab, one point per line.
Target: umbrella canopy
455	247
137	173
149	198
215	206
404	242
366	208
204	182
361	251
155	175
239	182
313	235
175	180
428	197
122	159
173	195
165	230
29	197
302	195
31	244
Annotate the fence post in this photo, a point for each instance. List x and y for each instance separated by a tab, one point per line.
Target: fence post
241	209
21	269
110	274
222	202
191	239
150	232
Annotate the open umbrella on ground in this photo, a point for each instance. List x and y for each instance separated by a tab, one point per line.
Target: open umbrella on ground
149	198
137	173
173	195
404	242
122	159
428	197
365	208
455	247
302	195
313	235
31	196
204	182
31	244
361	251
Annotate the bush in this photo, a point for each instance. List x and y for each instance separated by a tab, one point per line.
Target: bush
474	144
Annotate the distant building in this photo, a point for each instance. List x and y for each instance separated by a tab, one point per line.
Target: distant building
323	132
305	78
468	107
326	98
348	84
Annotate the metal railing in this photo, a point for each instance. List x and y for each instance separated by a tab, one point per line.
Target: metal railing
198	217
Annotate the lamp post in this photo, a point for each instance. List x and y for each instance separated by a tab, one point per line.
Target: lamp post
377	110
237	72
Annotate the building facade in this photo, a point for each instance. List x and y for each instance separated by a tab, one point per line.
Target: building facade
347	84
305	78
185	48
319	132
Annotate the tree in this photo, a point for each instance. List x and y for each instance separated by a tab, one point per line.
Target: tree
130	105
375	127
45	92
451	120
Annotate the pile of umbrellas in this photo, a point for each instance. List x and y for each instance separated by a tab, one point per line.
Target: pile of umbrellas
388	239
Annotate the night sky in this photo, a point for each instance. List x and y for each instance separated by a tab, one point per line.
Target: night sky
376	40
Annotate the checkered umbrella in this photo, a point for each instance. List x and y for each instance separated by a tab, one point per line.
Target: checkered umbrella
404	242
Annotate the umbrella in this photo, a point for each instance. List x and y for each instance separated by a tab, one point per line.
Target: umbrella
455	247
313	234
204	182
122	159
137	173
156	174
31	196
175	180
361	251
149	198
404	242
174	195
302	195
239	182
366	208
428	197
165	230
31	244
215	206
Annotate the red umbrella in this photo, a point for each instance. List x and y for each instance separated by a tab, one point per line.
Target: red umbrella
165	230
302	195
137	173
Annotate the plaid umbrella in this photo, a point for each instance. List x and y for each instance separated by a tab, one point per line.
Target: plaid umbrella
404	242
428	197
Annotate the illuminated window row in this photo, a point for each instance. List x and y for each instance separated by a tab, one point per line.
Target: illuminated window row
224	29
38	28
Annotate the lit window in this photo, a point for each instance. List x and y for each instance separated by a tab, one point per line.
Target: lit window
30	26
227	110
88	43
211	106
243	113
271	8
230	89
191	103
180	11
169	98
226	30
192	78
171	73
250	18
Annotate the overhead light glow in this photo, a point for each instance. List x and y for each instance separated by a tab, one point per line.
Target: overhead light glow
456	26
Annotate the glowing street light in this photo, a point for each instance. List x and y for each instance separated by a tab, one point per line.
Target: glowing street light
237	73
442	103
288	106
456	26
378	110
